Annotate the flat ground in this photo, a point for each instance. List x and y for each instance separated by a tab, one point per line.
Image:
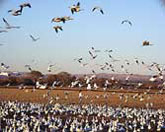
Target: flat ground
70	96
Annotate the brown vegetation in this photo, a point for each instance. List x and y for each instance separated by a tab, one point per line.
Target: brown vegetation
65	79
28	95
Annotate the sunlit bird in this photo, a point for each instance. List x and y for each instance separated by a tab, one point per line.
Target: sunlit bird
146	43
57	28
61	19
75	8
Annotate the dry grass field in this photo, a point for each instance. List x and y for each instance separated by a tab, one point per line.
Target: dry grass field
70	96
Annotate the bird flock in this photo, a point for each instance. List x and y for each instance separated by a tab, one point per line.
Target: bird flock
75	8
17	116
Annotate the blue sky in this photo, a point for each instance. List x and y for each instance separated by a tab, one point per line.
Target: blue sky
86	30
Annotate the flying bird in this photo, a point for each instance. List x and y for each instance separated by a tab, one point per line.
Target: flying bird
4	66
57	28
57	19
61	19
15	12
93	71
28	67
98	8
93	56
49	67
75	8
25	5
127	21
94	50
34	39
3	31
8	26
146	43
109	51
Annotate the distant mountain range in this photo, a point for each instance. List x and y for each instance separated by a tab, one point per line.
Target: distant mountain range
120	77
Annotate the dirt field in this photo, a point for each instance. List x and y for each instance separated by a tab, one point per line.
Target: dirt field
68	96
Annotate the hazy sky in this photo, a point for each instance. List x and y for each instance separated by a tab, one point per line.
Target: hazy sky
86	30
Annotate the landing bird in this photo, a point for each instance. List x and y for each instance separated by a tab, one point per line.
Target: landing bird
153	78
57	28
93	72
34	39
147	43
126	21
8	26
4	66
49	68
98	8
143	63
75	8
29	67
127	62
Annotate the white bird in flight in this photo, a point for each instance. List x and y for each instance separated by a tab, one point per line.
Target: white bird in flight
3	31
49	68
8	26
4	66
98	8
34	39
127	21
